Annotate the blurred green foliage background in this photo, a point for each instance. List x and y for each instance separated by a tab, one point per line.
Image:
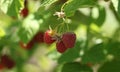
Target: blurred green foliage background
95	22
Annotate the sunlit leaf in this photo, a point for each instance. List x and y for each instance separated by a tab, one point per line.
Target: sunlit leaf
2	32
14	8
95	27
5	20
72	5
48	2
28	29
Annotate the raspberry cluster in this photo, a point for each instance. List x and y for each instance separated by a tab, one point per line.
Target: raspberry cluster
63	42
6	62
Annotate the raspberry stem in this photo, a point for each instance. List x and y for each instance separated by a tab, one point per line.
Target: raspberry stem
62	8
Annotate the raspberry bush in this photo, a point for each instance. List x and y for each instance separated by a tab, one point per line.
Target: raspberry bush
59	35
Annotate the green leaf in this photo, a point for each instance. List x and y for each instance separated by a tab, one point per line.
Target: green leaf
48	2
28	29
71	54
14	8
116	4
4	5
2	32
113	66
119	7
72	5
5	20
102	16
77	20
94	55
75	67
114	49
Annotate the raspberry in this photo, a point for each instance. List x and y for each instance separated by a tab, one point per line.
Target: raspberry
7	61
61	47
30	44
24	12
69	39
48	37
39	37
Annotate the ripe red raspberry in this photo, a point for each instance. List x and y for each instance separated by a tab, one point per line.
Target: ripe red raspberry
69	39
7	61
39	37
61	47
48	37
24	12
30	44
